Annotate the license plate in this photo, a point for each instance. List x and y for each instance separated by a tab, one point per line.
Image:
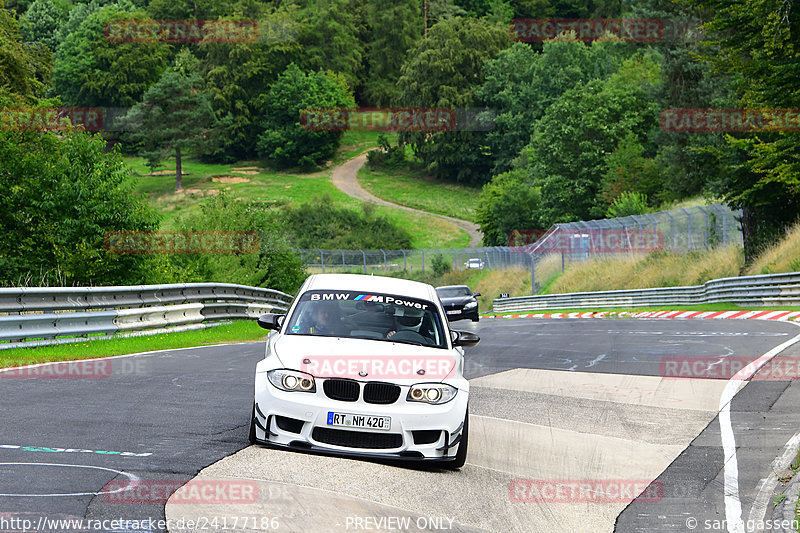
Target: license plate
348	420
454	312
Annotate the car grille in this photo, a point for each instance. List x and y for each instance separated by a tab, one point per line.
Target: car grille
357	439
345	390
382	393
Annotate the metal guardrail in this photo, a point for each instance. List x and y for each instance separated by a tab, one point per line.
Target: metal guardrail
31	316
771	289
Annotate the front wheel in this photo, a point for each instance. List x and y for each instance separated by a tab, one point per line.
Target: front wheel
461	454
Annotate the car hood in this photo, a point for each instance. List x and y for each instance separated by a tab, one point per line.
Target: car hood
457	300
385	360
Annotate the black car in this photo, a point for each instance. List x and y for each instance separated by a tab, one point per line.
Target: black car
459	302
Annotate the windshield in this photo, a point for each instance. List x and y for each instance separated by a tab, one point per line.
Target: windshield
454	292
384	317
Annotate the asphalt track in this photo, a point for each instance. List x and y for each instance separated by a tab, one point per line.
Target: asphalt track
557	401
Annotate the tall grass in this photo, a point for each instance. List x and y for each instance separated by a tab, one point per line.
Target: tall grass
660	269
783	256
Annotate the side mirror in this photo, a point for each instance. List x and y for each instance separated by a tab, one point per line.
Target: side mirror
476	294
465	339
271	321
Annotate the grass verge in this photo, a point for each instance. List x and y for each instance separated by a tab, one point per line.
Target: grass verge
239	331
410	187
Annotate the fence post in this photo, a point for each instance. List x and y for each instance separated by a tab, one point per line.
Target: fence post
533	275
423	260
724	223
405	261
689	217
344	263
322	258
385	266
706	215
365	260
671	229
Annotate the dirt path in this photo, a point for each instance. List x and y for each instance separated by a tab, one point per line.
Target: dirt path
344	177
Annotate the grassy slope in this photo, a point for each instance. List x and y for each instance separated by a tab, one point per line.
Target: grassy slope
412	188
640	272
784	256
263	184
666	270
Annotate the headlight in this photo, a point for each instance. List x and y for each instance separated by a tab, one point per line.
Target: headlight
471	305
292	380
433	393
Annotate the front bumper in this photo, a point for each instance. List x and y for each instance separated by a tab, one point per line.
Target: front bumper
462	314
307	427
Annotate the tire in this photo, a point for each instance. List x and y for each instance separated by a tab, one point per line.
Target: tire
475	318
461	454
252	437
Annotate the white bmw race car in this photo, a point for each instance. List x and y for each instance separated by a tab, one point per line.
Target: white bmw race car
364	365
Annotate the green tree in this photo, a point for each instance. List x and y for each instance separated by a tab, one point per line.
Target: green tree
174	117
238	76
273	265
24	68
627	204
629	171
509	202
756	42
567	153
521	83
320	224
43	19
92	70
444	70
285	141
61	195
387	50
330	37
185	9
